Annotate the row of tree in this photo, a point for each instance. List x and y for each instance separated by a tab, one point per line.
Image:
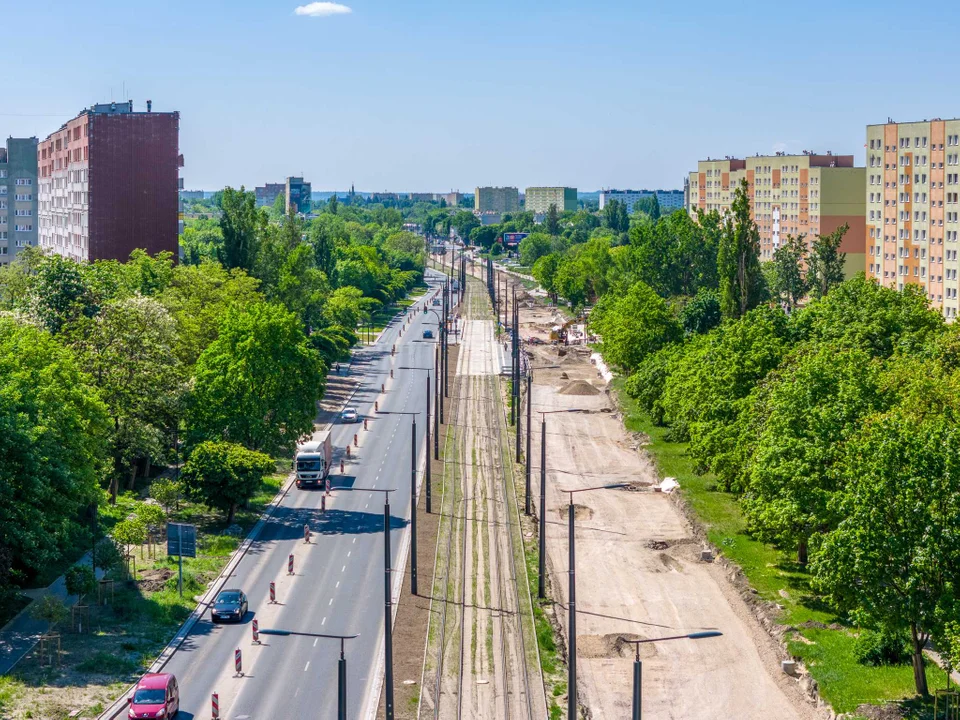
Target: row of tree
828	406
109	367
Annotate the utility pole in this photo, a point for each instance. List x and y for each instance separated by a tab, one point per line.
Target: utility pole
428	463
541	584
413	504
526	497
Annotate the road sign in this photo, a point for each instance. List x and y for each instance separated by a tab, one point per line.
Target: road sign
181	539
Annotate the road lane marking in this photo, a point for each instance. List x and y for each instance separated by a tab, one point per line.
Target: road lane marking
349	553
343	568
330	603
354	540
338	583
306	666
316	641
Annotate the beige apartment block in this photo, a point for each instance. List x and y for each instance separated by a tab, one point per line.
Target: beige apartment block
808	194
913	178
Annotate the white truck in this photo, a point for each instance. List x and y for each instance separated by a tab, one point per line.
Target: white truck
313	460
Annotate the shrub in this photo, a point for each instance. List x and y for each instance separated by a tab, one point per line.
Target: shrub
80	580
884	647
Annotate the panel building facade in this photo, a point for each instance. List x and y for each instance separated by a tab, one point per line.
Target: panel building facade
18	197
913	181
670	200
809	194
496	199
298	195
539	199
109	184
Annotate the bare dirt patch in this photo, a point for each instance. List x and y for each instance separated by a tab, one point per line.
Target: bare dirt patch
613	645
580	512
154	580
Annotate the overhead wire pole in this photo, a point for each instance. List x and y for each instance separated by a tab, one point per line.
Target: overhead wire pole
526	497
428	463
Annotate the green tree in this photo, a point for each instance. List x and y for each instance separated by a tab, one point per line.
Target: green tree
53	448
80	580
813	406
258	383
615	216
702	313
544	271
634	326
893	561
225	475
552	222
242	226
464	223
198	298
129	350
789	285
167	492
738	259
149	514
50	609
59	294
333	204
533	247
279	208
129	532
826	262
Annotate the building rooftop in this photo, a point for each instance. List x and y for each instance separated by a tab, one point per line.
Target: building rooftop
891	121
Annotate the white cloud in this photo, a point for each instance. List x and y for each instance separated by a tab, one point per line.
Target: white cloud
322	9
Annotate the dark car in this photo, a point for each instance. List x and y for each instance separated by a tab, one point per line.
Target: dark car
428	334
229	605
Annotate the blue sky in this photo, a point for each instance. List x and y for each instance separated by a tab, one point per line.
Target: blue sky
432	96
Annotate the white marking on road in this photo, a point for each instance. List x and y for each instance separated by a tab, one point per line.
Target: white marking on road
366	506
316	641
338	583
323	622
306	666
349	553
354	540
343	568
331	602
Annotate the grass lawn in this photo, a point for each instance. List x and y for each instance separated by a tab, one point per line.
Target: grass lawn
828	654
124	636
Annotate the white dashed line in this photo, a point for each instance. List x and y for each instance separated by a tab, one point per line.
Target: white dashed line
331	602
343	568
349	553
338	583
323	622
306	666
354	540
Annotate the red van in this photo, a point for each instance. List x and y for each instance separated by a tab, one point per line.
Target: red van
156	696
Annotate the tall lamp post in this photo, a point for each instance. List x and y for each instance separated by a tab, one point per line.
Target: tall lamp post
572	600
413	494
541	584
341	664
387	598
427	426
638	666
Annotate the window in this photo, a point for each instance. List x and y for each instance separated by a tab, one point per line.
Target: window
24	181
24	228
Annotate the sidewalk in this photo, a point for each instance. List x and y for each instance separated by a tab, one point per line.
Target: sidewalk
18	637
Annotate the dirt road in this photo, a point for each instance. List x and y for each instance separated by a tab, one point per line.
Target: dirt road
481	632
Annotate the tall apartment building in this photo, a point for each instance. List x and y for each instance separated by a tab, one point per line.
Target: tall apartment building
18	197
496	199
913	181
298	194
267	195
109	183
539	199
809	194
452	199
669	200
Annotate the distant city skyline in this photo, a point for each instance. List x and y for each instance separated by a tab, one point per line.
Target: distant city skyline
387	96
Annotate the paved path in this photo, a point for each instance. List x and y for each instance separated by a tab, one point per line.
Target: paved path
18	636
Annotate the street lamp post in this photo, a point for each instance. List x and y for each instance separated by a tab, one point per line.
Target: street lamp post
341	663
413	493
541	584
387	599
638	666
572	600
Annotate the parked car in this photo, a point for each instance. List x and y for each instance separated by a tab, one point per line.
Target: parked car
229	605
350	415
155	696
428	334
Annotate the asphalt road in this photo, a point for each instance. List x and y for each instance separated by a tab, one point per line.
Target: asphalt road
337	587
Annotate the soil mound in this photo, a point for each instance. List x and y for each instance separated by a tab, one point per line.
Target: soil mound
578	387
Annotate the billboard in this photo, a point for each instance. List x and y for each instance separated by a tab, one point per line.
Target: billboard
513	239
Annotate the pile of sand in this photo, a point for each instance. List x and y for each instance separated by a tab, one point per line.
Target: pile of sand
578	387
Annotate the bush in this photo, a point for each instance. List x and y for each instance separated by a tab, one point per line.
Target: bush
50	609
884	647
108	555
